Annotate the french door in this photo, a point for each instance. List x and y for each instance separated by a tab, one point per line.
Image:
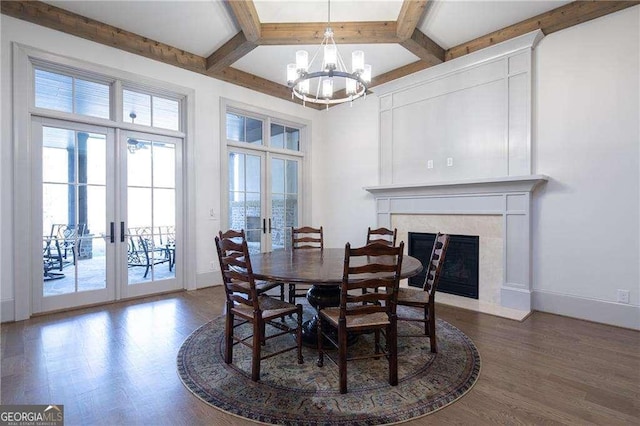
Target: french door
263	197
108	215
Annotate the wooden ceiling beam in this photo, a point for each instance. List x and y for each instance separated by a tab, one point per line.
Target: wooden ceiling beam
409	16
250	81
71	23
344	33
398	73
555	20
247	16
230	52
424	48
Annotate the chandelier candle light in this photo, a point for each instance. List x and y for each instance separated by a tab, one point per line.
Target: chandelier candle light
300	74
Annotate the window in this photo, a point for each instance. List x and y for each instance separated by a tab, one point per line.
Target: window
285	137
66	93
244	129
150	110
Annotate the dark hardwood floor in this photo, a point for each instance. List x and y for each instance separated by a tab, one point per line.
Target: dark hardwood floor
116	365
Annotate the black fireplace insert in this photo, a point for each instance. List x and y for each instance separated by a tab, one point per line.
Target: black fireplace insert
459	274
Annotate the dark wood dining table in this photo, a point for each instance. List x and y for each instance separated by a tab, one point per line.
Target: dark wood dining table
320	268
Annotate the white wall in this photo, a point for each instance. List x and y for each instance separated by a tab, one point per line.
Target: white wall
585	227
206	137
586	219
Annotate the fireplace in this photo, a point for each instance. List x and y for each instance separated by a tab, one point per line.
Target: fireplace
459	274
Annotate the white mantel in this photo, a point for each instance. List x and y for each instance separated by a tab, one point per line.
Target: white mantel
508	197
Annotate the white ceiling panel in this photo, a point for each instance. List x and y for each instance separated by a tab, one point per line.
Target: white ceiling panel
199	27
453	22
316	10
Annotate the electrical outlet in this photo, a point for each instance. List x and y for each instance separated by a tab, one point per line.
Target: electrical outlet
430	164
623	296
449	161
212	266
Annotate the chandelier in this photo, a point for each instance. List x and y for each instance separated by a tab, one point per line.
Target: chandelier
316	85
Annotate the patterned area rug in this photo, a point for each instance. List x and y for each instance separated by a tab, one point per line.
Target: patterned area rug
289	393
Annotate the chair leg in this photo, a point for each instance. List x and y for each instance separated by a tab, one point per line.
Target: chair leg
432	332
258	326
426	320
282	293
228	334
377	342
342	354
292	293
299	334
392	345
320	361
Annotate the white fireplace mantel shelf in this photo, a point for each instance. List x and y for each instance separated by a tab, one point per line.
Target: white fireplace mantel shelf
499	184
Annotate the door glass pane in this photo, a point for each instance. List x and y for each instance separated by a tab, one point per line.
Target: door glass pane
235	127
73	212
151	211
166	113
254	131
284	201
245	200
293	139
91	98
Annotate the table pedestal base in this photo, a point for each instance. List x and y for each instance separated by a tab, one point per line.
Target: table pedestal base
322	297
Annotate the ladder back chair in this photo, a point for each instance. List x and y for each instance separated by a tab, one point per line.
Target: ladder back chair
304	238
261	286
246	306
425	298
368	267
382	236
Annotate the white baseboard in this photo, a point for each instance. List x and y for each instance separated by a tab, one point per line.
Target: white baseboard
208	279
618	314
7	312
515	298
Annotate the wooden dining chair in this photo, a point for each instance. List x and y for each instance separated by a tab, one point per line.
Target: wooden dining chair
304	238
261	286
382	236
425	298
250	307
364	268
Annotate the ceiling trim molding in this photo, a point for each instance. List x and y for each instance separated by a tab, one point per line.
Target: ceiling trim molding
409	16
557	19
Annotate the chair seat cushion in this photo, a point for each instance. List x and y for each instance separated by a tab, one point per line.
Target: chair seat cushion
356	321
261	286
409	295
270	307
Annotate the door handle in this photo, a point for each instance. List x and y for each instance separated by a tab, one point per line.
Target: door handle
112	229
269	225
264	225
122	232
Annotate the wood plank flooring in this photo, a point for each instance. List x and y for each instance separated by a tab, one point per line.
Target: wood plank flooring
115	365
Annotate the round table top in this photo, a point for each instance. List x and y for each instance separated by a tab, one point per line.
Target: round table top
313	266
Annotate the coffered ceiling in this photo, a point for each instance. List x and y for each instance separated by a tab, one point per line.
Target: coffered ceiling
249	43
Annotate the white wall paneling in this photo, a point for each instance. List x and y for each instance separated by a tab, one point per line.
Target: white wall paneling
470	118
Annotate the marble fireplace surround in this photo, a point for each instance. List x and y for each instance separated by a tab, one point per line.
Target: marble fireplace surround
496	209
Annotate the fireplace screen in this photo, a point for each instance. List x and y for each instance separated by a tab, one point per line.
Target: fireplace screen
459	274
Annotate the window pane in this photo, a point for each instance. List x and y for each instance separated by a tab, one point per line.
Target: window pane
136	108
139	207
54	91
253	173
91	98
277	136
166	113
254	131
235	127
293	139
